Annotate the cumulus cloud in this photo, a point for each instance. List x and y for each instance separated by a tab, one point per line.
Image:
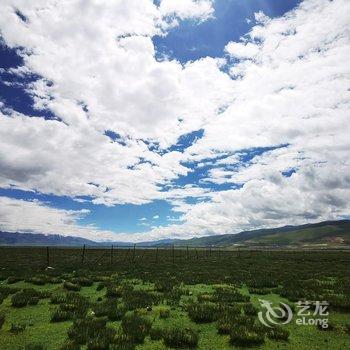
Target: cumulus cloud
282	93
36	217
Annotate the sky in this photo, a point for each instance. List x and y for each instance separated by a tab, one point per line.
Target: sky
142	120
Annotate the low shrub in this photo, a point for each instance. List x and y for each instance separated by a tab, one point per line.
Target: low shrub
72	286
180	337
202	312
135	326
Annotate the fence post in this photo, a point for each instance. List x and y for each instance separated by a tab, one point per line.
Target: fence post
219	253
157	255
112	254
187	253
47	256
173	251
83	255
196	253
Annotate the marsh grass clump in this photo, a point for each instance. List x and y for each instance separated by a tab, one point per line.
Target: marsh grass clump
122	342
70	345
261	291
164	313
137	299
156	333
72	286
164	285
19	299
339	302
13	279
2	320
230	295
100	286
37	280
86	330
102	339
17	327
135	326
34	346
33	301
205	297
180	337
110	308
26	297
82	281
246	336
5	291
250	310
61	316
278	333
203	312
57	299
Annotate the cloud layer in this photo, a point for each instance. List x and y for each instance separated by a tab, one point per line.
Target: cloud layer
274	111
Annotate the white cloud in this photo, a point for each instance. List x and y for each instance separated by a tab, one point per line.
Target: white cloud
242	50
195	9
36	217
156	217
288	85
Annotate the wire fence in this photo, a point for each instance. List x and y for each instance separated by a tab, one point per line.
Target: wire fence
112	254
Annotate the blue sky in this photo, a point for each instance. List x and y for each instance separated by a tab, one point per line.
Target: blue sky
188	151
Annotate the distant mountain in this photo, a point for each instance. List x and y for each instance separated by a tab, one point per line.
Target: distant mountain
330	233
38	239
327	233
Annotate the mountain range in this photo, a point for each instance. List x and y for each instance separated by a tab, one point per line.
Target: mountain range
326	233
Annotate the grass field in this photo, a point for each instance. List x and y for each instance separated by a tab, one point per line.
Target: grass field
144	299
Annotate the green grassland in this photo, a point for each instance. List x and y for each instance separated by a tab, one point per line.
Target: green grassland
167	299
